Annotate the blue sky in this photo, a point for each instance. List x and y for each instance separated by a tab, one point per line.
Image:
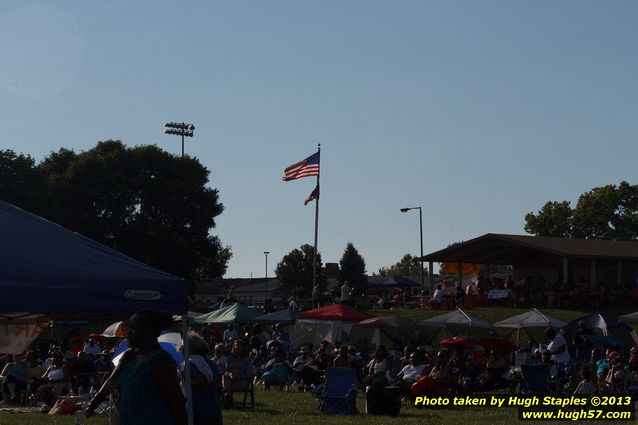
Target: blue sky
478	111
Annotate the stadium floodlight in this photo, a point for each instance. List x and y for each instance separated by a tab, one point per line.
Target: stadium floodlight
180	129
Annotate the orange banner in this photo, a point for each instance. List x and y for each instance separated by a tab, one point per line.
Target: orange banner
450	268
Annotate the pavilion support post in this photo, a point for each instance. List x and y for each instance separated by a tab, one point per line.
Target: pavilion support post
592	276
619	273
565	271
431	276
459	274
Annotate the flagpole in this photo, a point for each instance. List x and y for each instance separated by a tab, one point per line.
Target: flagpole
314	252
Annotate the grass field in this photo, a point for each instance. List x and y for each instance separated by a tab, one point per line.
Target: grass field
275	407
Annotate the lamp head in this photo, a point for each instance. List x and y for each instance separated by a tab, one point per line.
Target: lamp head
405	209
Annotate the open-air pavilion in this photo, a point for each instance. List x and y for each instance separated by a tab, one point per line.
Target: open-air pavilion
561	260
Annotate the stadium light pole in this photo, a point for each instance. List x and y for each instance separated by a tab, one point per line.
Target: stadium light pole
180	129
421	231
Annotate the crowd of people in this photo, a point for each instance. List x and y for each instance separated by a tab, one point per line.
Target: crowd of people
147	385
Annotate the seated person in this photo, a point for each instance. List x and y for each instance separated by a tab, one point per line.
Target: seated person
15	376
413	371
378	366
440	378
239	371
307	371
437	298
85	374
496	366
615	378
469	378
344	359
588	384
55	381
278	370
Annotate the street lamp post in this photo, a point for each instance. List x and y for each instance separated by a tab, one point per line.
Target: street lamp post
180	129
421	231
266	254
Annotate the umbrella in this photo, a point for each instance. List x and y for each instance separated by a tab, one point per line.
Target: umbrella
495	343
457	342
606	342
605	325
115	330
169	342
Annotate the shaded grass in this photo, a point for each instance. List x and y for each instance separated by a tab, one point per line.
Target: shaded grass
294	407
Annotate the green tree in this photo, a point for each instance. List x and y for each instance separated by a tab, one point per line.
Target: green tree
294	272
554	219
21	184
409	265
607	212
352	268
142	201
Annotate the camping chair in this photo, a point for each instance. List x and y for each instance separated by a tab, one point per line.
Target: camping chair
248	390
339	392
536	378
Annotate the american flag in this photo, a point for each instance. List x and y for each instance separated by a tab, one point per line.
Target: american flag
313	196
307	168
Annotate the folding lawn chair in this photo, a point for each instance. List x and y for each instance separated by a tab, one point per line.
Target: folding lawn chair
536	378
339	392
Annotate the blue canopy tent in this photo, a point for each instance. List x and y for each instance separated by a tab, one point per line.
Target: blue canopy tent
45	268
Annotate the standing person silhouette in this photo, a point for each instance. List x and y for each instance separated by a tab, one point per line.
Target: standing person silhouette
146	377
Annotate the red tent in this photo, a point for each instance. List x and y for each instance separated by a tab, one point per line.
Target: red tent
339	312
336	322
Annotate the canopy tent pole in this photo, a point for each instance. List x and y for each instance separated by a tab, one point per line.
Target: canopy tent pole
187	370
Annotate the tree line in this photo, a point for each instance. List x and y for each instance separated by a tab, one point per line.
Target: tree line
606	212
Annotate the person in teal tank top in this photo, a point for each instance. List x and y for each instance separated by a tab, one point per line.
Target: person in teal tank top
146	378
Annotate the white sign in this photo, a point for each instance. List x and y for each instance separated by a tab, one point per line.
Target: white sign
142	295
